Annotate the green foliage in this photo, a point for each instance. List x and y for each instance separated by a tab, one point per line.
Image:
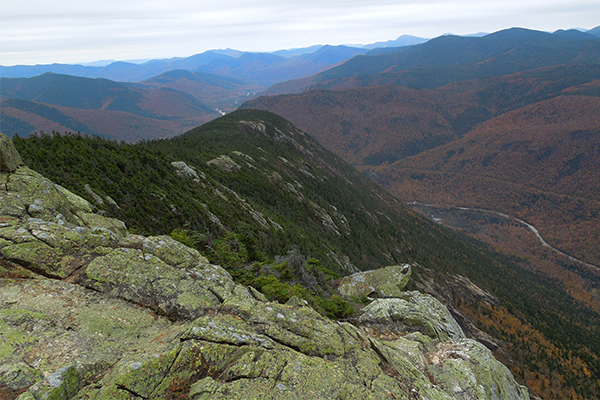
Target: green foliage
362	299
284	271
189	238
336	307
276	290
315	265
228	252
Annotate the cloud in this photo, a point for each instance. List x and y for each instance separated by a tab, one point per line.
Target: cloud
38	31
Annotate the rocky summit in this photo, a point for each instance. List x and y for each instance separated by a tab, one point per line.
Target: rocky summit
89	311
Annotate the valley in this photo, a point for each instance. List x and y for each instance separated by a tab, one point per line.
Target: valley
512	235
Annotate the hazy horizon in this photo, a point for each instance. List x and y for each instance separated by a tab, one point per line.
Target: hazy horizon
39	32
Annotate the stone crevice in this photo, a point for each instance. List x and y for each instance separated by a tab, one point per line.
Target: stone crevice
30	267
279	374
73	277
8	175
49	244
152	395
215	293
284	344
131	392
224	342
381	356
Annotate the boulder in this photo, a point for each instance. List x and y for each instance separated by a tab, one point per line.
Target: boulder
10	159
225	163
466	369
381	283
95	196
413	312
186	171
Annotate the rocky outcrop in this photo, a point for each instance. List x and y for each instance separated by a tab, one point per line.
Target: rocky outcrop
89	311
413	311
10	159
186	171
225	163
383	282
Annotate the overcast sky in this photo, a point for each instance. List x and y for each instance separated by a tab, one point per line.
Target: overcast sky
70	31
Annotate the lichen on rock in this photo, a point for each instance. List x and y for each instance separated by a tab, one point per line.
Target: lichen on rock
413	312
224	163
186	171
10	159
383	282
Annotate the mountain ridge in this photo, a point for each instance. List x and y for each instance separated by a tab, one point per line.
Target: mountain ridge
440	61
235	158
80	288
95	107
229	64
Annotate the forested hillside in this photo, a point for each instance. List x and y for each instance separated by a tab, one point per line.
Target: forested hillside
283	214
97	107
535	131
450	58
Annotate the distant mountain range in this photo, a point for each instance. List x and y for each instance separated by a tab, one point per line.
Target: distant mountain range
420	90
262	68
132	71
449	59
170	96
174	95
96	107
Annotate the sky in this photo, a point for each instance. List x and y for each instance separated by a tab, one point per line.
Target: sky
75	31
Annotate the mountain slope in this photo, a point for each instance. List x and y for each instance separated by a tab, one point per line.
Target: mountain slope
595	31
89	94
403	40
24	117
213	90
148	317
447	59
258	188
268	69
372	125
97	107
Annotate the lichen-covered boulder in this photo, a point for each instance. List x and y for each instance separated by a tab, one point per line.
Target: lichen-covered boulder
10	159
145	279
383	282
28	194
413	312
51	248
47	325
456	369
186	171
466	369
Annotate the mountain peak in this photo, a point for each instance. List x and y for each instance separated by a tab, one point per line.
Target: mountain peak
518	33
